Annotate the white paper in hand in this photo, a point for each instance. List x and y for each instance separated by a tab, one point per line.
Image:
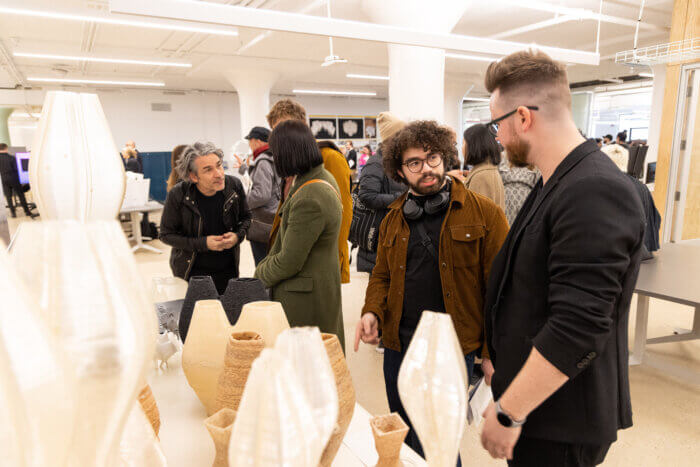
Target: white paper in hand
479	398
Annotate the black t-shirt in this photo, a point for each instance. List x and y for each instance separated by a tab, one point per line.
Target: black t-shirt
422	287
212	210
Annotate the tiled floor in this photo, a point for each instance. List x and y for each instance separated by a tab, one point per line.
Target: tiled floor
666	428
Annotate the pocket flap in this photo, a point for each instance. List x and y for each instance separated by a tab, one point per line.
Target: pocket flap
299	284
467	233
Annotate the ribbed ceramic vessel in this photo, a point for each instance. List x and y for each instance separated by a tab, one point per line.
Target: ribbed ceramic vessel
274	424
266	318
388	431
75	170
150	408
205	349
242	349
306	351
346	396
219	427
139	445
432	385
198	288
92	298
36	383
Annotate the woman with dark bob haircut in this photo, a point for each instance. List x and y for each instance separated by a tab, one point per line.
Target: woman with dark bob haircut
482	152
301	268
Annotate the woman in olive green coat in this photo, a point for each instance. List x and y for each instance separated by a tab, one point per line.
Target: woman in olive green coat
301	268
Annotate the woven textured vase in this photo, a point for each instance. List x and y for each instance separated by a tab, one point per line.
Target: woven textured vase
389	431
346	396
199	288
204	350
240	291
266	318
148	402
219	426
242	349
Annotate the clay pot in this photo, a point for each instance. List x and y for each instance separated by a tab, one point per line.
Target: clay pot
148	402
266	318
389	431
346	396
219	426
240	291
204	350
242	349
199	288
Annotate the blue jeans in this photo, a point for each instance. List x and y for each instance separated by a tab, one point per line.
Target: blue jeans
392	363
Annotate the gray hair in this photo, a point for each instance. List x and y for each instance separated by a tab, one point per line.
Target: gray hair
185	165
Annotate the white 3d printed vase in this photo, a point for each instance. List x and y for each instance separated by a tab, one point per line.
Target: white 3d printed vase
75	169
34	378
92	297
266	318
432	384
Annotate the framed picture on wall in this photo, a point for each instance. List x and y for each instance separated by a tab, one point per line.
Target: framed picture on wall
324	126
371	128
351	127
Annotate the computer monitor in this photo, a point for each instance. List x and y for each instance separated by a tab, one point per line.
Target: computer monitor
22	159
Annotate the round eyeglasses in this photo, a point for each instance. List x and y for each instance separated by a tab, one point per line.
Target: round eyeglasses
416	165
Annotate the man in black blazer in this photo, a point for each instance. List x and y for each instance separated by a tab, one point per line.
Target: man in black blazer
559	292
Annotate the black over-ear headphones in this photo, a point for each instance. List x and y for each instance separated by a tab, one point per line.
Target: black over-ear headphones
434	203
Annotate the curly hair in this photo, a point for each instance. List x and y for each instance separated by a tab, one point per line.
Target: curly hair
285	109
427	135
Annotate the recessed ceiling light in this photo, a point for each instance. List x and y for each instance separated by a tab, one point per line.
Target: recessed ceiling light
470	57
334	93
354	75
89	58
113	20
95	81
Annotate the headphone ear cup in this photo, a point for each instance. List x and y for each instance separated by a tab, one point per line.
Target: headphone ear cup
411	210
437	202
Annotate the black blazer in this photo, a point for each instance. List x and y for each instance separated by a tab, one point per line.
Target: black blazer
562	283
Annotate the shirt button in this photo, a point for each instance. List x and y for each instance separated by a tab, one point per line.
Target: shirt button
404	239
401	267
444	265
468	235
448	295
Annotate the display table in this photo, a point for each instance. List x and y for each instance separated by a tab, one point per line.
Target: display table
136	236
673	276
186	442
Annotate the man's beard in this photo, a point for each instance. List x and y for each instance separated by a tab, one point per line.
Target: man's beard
419	190
518	152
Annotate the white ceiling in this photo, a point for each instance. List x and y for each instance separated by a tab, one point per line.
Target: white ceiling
297	56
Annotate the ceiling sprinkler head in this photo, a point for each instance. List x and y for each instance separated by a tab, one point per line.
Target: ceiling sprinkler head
331	59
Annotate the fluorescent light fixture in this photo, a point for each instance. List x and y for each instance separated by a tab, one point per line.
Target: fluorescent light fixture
111	19
470	57
89	58
354	75
477	99
646	75
95	81
333	93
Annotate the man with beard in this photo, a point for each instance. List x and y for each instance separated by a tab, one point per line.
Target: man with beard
434	253
558	298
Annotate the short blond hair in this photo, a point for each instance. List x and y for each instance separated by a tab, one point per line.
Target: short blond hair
286	109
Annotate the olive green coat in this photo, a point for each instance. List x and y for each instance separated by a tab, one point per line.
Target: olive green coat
301	268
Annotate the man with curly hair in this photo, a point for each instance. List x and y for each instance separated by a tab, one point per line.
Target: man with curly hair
435	250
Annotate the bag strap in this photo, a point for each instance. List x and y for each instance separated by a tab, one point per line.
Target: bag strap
427	243
317	180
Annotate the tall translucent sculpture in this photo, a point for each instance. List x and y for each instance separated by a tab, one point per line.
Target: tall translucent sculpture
92	297
139	446
433	388
75	169
37	381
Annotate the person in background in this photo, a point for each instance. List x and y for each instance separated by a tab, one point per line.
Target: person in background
333	162
264	194
621	139
351	155
174	178
558	296
130	159
132	145
518	182
435	251
482	154
377	191
301	268
618	153
365	154
11	184
205	217
607	139
599	142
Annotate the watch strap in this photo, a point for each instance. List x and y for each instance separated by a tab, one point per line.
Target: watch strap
513	423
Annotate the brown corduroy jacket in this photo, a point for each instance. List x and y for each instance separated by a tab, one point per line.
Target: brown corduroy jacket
472	234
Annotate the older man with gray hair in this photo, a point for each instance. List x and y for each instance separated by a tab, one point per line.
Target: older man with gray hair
206	217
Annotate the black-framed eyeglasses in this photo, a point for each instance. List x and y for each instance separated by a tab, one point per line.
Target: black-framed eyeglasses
416	165
493	124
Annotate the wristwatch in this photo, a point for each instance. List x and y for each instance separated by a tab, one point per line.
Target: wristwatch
505	419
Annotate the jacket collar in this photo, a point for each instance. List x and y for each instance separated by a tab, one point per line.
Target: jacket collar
260	150
458	194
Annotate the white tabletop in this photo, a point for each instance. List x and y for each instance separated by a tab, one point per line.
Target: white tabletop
186	442
672	274
148	207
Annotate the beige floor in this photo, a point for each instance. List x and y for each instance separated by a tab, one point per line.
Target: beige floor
666	428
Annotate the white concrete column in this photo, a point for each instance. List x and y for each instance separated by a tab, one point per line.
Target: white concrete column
253	88
416	74
657	103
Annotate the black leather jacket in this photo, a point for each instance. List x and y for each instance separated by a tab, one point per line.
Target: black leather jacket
181	224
